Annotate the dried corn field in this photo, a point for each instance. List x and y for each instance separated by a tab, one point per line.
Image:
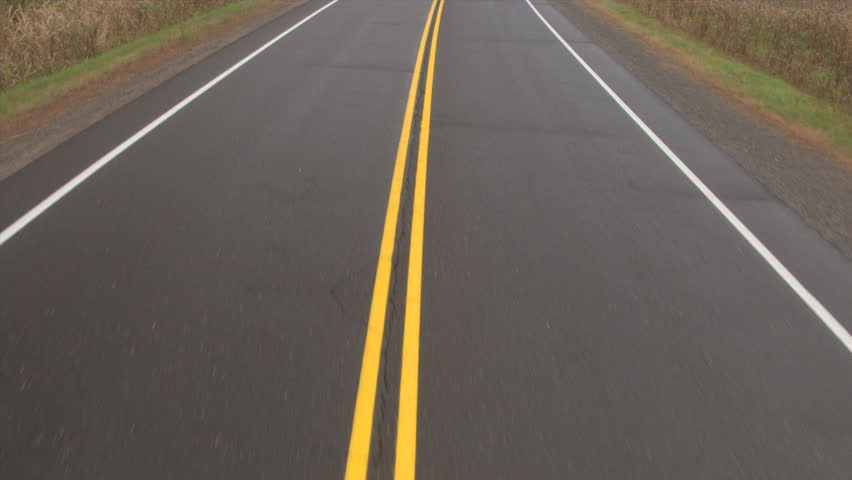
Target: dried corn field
807	43
42	37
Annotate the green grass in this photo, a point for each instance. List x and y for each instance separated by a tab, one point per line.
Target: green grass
41	90
763	91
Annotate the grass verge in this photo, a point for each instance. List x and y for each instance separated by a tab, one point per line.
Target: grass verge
42	90
815	120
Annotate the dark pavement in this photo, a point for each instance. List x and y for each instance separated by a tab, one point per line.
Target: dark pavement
198	308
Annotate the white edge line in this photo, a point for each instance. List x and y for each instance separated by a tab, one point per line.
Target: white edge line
81	177
827	318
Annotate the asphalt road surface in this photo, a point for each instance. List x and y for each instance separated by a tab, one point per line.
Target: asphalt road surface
380	239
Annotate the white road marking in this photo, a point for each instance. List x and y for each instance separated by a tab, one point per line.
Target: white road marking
81	177
827	318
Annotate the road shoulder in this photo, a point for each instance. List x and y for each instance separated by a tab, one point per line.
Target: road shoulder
816	187
33	135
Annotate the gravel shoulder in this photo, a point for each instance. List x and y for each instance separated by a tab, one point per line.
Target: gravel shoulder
817	187
33	135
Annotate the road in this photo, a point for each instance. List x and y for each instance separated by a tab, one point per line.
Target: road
381	239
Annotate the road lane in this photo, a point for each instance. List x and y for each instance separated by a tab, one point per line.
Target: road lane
69	159
812	261
68	187
197	308
586	311
818	309
574	306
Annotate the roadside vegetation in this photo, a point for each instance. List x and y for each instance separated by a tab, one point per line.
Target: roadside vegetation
808	43
43	37
56	53
790	60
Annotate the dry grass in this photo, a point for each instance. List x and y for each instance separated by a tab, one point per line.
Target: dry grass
42	37
807	42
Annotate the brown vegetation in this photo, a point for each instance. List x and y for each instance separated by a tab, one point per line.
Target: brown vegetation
806	42
41	37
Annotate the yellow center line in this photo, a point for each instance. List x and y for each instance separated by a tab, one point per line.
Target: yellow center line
362	423
406	434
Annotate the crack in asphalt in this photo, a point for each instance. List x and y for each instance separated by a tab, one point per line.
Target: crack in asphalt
385	426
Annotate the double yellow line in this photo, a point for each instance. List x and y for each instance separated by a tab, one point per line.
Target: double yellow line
362	423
